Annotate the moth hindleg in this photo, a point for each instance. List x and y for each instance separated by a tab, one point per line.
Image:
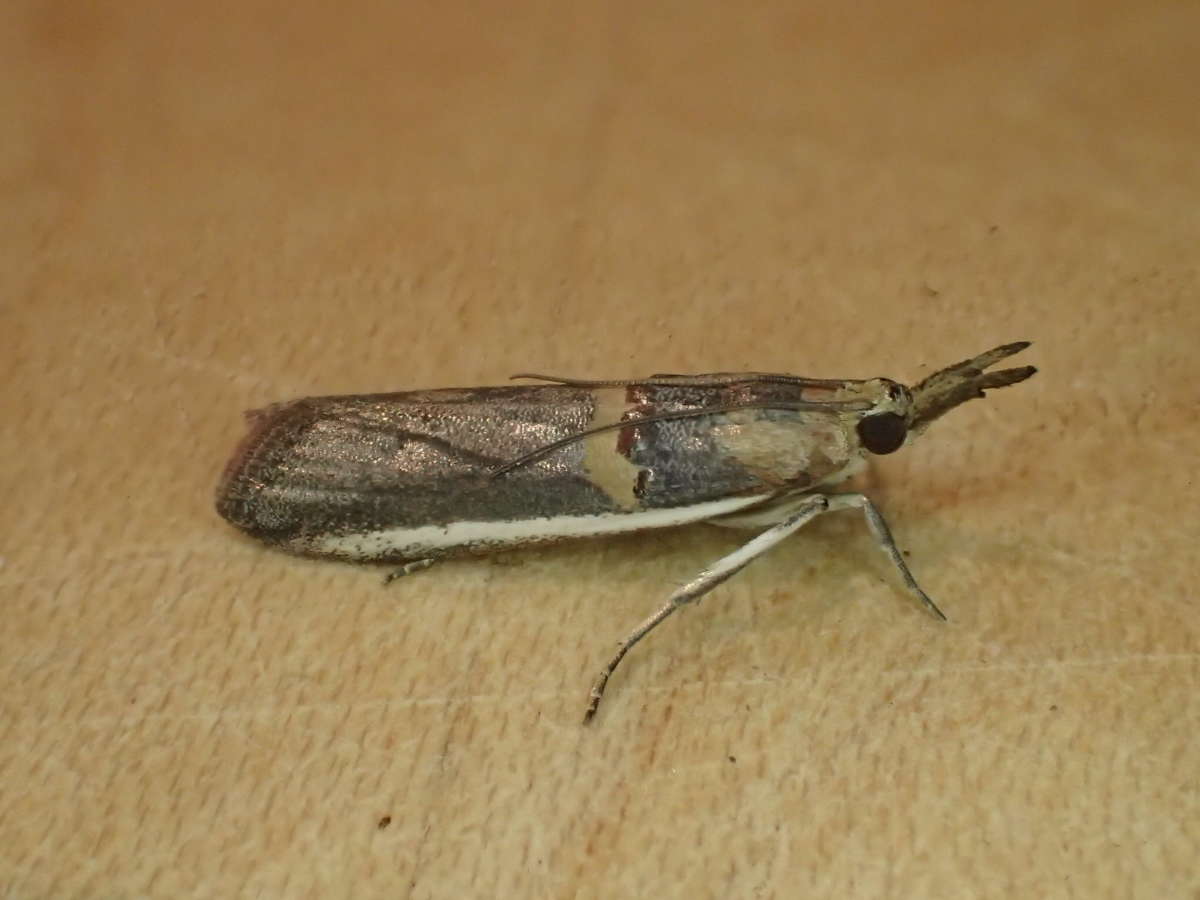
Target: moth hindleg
808	509
408	568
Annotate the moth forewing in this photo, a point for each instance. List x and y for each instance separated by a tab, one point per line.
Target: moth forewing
414	476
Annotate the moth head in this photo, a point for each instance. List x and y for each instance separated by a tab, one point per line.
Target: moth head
903	411
884	428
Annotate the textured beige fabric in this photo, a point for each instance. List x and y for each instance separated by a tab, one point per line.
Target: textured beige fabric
208	207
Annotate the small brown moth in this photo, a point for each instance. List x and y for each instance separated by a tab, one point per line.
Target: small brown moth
412	477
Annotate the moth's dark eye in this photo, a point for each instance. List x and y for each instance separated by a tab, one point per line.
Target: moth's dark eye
883	432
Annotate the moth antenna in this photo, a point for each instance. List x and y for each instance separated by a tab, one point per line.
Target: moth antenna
706	380
831	406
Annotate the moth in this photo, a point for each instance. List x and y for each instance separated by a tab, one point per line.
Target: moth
413	477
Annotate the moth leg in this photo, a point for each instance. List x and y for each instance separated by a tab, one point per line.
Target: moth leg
408	568
883	536
763	515
807	510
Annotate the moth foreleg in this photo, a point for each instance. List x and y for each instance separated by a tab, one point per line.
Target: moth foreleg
883	536
807	508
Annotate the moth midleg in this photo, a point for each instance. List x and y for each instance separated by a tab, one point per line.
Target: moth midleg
883	537
807	509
